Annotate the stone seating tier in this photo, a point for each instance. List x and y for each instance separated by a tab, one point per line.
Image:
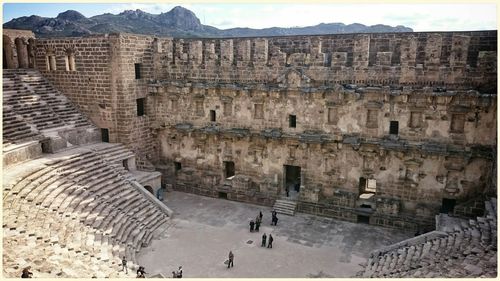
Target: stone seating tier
78	208
468	250
34	105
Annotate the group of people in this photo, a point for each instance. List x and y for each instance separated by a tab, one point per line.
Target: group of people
141	273
230	261
270	241
255	225
178	273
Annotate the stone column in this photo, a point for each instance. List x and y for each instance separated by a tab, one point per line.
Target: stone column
22	52
302	178
8	52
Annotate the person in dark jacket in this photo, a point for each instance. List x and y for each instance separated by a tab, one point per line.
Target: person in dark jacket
231	260
251	225
264	237
257	223
27	273
270	245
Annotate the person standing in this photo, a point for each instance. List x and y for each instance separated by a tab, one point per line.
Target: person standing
124	265
264	237
179	272
27	273
274	219
231	260
270	245
260	216
251	225
257	223
141	273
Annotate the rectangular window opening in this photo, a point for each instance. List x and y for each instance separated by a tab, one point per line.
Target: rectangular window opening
125	164
394	128
223	195
212	115
367	185
229	169
292	121
177	166
137	71
45	146
140	107
448	205
104	135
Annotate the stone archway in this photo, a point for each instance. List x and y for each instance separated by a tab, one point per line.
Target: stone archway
8	53
150	189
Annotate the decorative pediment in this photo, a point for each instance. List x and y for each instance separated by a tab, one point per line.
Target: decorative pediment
69	49
50	50
293	78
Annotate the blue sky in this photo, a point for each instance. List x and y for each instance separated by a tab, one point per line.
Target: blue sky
420	17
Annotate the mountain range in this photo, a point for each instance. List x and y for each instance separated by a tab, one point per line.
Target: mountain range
178	22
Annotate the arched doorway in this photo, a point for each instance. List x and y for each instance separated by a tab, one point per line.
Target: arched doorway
150	189
8	53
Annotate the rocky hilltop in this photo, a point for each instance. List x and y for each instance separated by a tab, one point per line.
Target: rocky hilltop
178	22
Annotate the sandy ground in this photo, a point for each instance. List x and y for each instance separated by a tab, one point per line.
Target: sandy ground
204	230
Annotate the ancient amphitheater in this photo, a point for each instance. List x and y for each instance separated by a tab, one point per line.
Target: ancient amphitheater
396	130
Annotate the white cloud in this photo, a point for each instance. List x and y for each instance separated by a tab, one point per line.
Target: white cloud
420	17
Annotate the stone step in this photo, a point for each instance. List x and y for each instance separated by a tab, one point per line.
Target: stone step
286	207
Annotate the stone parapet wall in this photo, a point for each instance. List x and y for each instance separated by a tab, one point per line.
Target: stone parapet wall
423	58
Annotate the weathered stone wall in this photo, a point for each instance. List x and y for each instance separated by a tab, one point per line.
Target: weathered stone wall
422	115
331	170
89	86
103	84
437	58
133	130
344	91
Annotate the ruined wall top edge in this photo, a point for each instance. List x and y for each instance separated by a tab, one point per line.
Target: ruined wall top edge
489	33
18	33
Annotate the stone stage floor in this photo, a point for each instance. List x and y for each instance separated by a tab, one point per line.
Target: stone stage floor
204	230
